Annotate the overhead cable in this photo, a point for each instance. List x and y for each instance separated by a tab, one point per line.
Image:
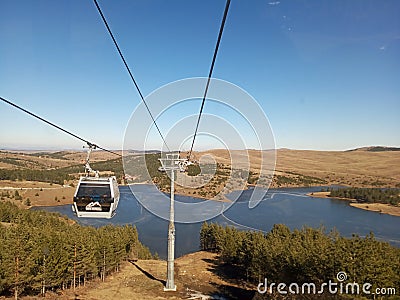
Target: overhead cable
221	29
56	126
129	71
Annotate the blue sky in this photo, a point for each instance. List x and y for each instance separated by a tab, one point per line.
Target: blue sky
326	73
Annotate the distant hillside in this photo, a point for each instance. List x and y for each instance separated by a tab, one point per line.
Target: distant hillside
55	167
351	168
375	149
375	166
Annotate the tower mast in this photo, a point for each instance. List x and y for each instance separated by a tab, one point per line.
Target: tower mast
172	163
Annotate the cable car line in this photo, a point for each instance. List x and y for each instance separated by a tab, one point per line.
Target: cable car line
90	144
221	29
99	196
128	69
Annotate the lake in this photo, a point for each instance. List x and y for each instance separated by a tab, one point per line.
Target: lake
287	206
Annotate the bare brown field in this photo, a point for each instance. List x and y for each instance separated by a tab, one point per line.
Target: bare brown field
25	160
50	159
38	193
352	168
349	167
94	156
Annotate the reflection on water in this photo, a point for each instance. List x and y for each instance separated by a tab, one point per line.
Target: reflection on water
288	206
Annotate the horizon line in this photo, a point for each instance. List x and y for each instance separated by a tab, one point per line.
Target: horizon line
57	149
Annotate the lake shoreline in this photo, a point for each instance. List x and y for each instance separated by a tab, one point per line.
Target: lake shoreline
284	206
374	207
381	208
61	201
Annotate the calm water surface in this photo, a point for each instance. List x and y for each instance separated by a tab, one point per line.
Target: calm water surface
288	206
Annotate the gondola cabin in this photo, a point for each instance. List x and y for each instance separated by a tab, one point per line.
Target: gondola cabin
96	197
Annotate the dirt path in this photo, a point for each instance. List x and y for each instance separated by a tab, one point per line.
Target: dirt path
196	276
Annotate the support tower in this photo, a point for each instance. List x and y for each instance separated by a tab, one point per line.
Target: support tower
171	163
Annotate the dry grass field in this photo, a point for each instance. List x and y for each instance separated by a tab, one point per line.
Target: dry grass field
355	168
38	193
49	159
359	168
